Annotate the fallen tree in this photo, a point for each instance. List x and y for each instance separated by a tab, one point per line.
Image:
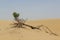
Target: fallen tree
20	23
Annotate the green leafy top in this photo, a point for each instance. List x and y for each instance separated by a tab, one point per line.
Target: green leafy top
15	14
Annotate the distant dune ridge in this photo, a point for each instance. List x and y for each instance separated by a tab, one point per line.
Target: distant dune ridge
8	33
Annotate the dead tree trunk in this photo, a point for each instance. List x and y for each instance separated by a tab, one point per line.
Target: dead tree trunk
32	27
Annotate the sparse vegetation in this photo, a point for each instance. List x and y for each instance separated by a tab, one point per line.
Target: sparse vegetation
20	23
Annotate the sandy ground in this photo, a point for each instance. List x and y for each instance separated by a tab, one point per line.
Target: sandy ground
8	33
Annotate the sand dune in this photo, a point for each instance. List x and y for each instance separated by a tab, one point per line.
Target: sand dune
8	33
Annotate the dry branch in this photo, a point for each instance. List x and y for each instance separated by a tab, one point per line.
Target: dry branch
20	23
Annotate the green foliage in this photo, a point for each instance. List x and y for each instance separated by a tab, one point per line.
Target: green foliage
15	14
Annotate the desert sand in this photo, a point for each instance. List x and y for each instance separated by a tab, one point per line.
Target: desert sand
8	33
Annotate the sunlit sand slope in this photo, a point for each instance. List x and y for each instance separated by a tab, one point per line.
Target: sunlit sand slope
8	33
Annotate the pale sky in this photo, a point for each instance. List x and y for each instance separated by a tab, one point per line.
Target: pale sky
31	9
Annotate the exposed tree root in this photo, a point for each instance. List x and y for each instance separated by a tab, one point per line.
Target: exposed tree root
32	27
